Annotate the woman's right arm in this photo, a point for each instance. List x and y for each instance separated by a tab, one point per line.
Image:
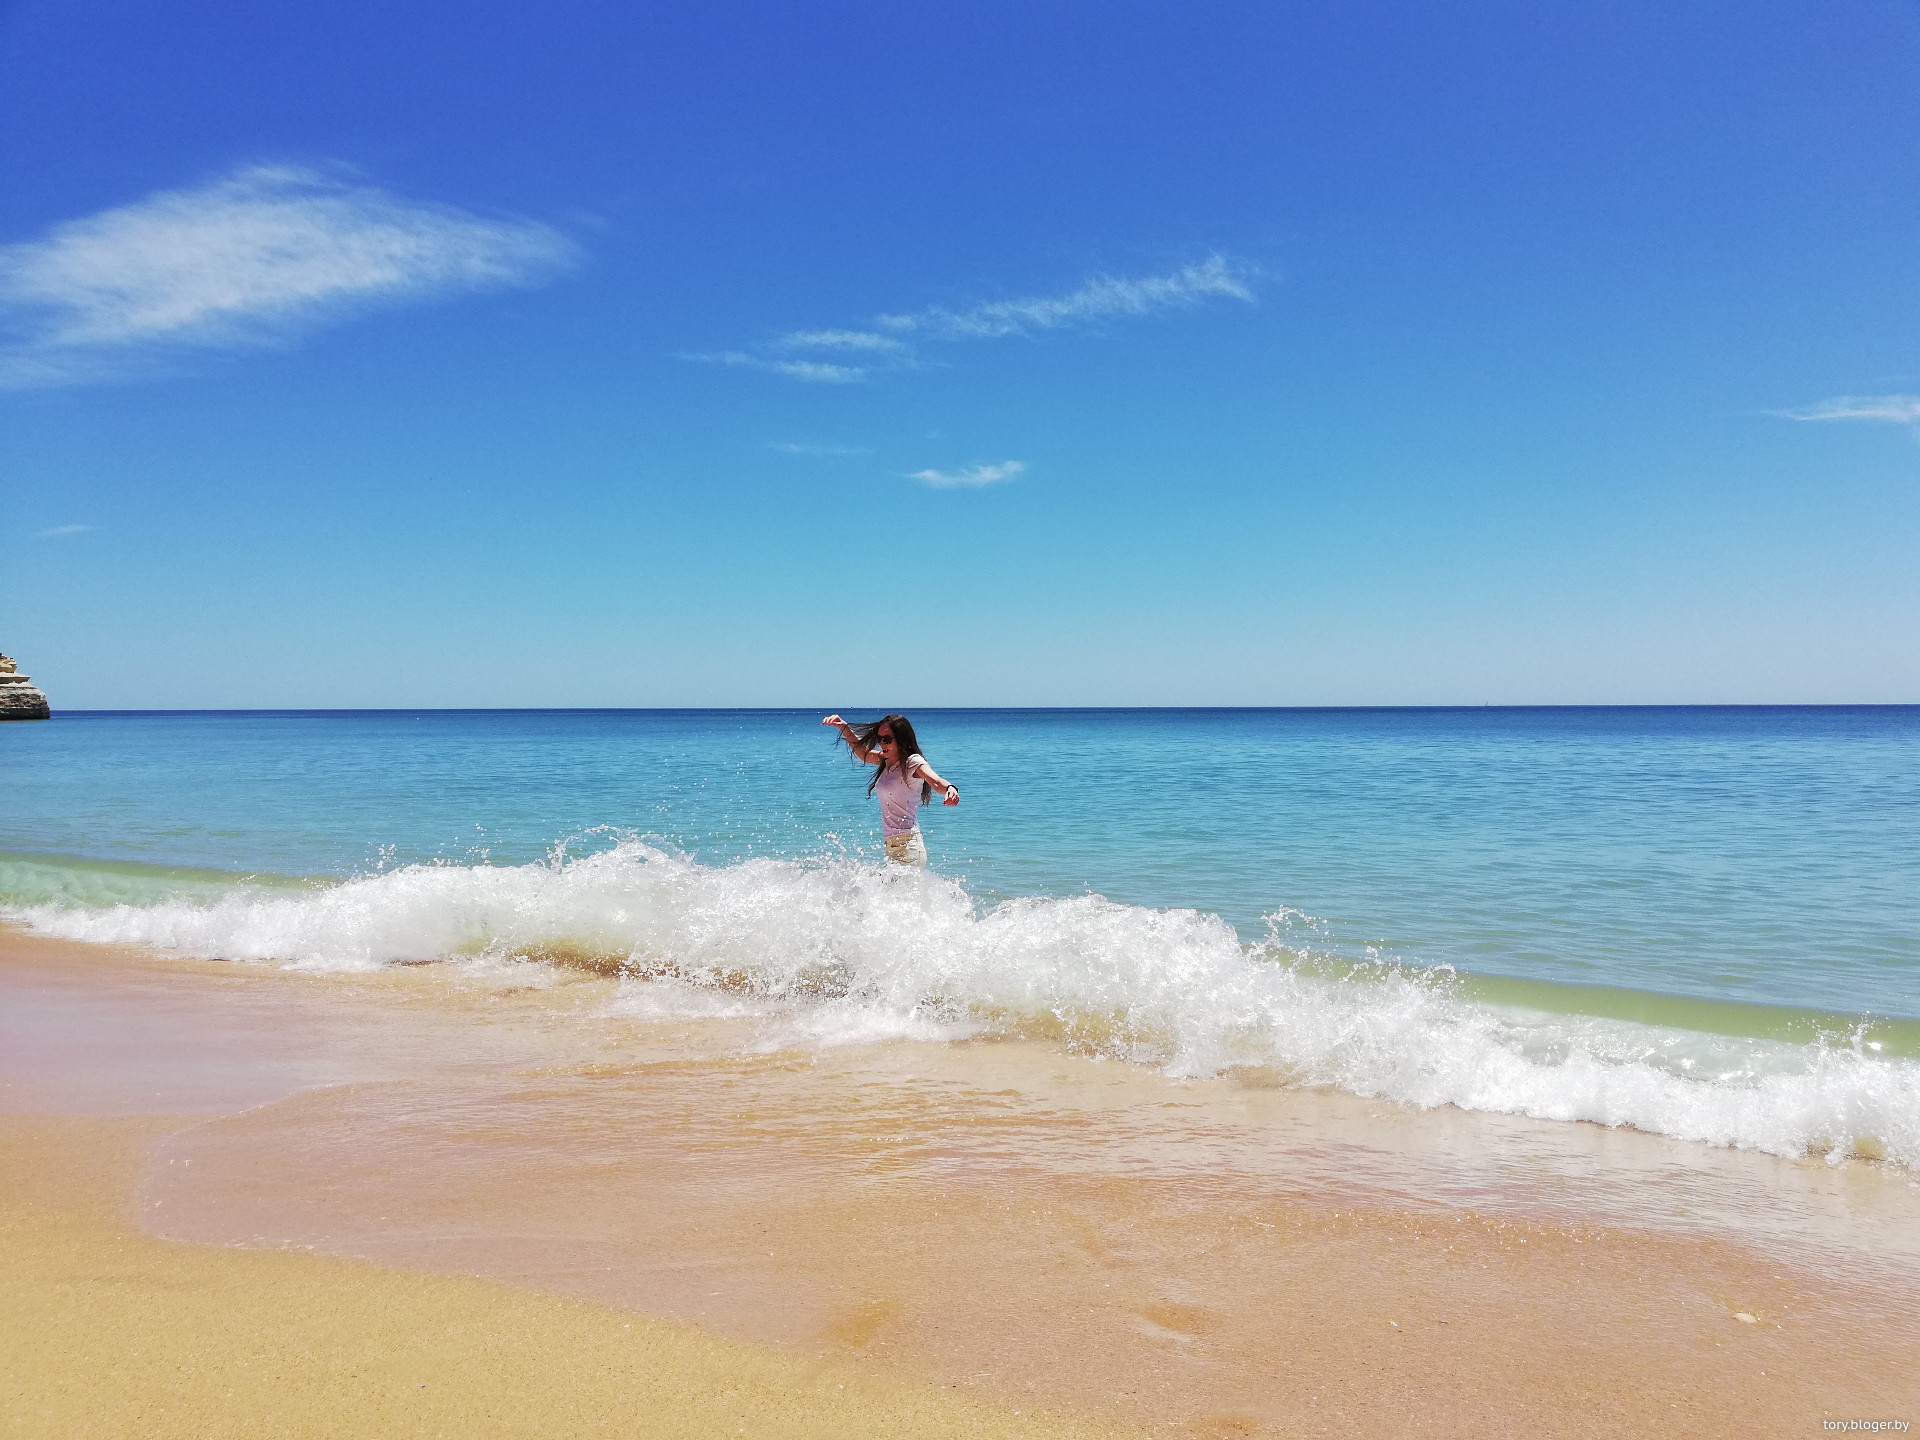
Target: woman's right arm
853	740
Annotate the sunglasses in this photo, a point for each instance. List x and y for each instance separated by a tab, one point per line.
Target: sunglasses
886	739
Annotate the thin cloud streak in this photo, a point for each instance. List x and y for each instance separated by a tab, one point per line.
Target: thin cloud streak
1892	409
1101	298
839	340
801	447
971	478
816	370
251	259
65	530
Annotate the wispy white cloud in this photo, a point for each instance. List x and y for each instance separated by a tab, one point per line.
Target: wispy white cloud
1896	409
250	259
839	340
816	370
971	478
1102	298
66	530
802	447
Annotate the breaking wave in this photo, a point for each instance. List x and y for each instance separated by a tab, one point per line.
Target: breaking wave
835	951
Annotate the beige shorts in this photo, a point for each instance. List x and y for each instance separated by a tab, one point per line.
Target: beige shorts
907	849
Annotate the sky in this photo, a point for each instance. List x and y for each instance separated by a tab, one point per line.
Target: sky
877	355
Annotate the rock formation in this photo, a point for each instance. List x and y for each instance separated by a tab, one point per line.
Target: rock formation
18	699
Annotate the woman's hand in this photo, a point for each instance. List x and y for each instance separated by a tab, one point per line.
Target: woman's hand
834	720
953	795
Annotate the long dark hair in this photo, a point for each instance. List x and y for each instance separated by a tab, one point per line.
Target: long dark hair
867	738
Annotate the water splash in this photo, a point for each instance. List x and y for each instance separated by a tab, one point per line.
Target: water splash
833	951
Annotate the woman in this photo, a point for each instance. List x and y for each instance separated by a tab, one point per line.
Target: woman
903	780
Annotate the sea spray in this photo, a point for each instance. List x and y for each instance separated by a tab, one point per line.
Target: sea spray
831	951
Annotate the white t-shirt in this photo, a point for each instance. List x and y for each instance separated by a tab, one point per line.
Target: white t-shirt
900	797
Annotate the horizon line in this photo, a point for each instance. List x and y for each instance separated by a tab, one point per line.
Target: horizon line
997	709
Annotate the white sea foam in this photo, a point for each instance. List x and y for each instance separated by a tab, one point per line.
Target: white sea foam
832	951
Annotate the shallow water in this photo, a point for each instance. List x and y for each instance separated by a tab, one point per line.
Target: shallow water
1700	922
1196	1257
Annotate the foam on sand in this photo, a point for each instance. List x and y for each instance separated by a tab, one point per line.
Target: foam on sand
831	951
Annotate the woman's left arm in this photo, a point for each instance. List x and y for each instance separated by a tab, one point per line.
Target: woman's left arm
946	787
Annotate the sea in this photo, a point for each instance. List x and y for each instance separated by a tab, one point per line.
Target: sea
1698	922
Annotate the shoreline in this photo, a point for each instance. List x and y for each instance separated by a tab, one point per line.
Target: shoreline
1891	1033
112	1333
1040	1231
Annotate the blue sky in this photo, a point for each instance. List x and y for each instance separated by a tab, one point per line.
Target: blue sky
864	354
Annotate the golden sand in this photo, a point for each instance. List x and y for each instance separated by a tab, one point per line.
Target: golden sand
686	1238
105	1332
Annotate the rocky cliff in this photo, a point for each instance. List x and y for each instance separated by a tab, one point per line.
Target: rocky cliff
18	699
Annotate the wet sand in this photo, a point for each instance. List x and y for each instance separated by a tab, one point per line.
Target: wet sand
110	1333
975	1229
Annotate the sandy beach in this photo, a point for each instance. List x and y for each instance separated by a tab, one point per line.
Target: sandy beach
112	1332
1194	722
247	1201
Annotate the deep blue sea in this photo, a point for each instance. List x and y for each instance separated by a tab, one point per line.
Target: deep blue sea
1704	921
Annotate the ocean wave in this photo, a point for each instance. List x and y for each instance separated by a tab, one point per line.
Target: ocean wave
835	951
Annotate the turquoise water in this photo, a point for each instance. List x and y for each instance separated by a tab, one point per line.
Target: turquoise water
1767	855
1605	887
